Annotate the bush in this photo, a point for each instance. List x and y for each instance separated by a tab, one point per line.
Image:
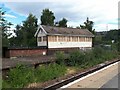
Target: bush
75	58
60	57
20	76
98	52
52	71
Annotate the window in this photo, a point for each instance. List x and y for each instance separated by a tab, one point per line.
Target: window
44	38
68	38
39	39
52	38
90	39
80	39
49	38
59	38
85	39
64	38
76	39
73	39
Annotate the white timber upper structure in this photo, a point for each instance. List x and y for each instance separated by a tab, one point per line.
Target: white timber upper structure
59	37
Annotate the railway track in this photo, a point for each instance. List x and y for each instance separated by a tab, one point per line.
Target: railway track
71	79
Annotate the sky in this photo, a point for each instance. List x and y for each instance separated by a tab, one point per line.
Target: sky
104	13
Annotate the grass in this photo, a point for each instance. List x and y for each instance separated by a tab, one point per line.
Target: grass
52	71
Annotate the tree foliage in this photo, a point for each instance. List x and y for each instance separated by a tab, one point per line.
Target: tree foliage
108	38
47	17
62	23
5	28
25	33
111	35
88	25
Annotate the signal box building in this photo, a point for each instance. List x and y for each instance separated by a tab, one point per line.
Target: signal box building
58	38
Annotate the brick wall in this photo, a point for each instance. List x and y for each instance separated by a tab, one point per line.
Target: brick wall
66	50
24	52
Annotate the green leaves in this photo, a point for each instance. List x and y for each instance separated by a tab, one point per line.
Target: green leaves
86	59
25	33
76	58
20	76
47	17
5	28
88	25
62	23
60	57
52	71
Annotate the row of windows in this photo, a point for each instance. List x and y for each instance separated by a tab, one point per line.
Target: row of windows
69	39
40	39
65	39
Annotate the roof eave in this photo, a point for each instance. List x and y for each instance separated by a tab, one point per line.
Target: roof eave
40	26
70	35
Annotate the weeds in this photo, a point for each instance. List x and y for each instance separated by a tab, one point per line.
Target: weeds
87	59
50	72
21	76
60	57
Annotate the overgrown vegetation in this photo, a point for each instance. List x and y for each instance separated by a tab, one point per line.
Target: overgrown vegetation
75	58
60	57
109	39
52	71
22	75
88	58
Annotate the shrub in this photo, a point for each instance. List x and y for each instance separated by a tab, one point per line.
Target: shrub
5	84
52	71
75	58
98	52
20	76
60	57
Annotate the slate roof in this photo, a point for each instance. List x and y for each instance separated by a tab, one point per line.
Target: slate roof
50	30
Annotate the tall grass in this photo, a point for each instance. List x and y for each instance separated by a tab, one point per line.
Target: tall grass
60	57
21	76
75	58
52	71
89	58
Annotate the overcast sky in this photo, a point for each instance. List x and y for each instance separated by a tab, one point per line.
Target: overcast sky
104	13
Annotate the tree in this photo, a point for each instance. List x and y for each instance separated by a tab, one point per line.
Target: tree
88	25
18	36
47	17
29	27
25	33
111	35
5	28
62	23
